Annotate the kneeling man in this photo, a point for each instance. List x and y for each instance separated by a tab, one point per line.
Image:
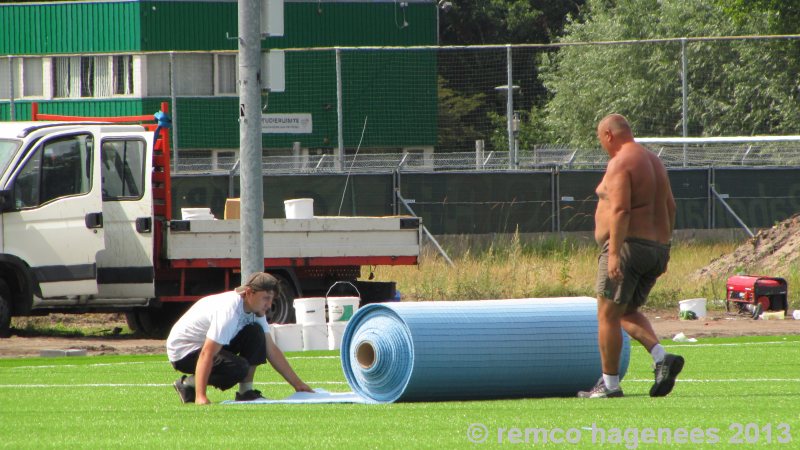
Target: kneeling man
223	338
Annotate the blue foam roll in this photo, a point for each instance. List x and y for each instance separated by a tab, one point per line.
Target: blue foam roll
464	350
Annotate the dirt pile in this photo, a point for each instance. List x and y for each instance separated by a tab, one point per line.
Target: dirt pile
769	252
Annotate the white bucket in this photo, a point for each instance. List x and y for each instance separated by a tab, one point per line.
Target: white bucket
315	337
335	332
299	208
289	337
341	309
310	311
695	305
196	214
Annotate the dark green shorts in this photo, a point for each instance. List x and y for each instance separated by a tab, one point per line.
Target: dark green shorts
641	261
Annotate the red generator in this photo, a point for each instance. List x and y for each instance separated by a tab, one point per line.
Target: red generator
750	294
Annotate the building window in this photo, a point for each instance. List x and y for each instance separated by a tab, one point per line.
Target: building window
66	76
5	77
81	76
32	77
87	77
27	75
226	74
123	75
158	75
194	74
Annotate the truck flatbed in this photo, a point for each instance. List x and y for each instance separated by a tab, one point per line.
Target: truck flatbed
296	242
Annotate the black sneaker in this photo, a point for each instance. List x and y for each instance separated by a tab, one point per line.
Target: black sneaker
249	396
184	390
665	373
601	391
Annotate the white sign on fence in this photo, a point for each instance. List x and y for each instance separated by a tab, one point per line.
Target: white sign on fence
299	123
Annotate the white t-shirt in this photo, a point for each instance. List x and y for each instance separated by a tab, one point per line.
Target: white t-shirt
217	317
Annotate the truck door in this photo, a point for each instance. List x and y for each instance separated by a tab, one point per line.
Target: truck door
55	222
125	266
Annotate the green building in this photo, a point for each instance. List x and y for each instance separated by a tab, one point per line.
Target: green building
111	58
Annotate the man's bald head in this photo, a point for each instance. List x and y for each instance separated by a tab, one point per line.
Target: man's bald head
616	123
613	131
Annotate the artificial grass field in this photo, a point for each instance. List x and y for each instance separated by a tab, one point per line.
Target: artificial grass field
733	392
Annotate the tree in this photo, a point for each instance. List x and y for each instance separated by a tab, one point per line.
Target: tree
469	75
470	22
456	114
734	87
783	15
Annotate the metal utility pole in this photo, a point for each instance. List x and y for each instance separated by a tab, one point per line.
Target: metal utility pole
251	185
512	156
684	97
174	102
339	163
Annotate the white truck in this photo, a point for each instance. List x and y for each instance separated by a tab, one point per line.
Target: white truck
86	226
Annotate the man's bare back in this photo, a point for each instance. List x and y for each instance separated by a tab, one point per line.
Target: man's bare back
636	187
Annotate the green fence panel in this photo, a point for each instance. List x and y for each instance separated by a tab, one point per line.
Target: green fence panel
358	195
759	196
199	191
577	199
690	189
474	203
334	195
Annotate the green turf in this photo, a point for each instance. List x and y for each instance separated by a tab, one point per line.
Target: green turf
128	401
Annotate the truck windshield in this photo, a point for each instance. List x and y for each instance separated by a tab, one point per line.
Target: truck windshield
7	150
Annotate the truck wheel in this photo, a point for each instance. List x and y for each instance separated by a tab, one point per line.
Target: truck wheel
5	311
283	306
156	323
132	320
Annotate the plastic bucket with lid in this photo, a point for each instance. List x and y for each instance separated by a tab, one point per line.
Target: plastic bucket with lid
299	208
341	309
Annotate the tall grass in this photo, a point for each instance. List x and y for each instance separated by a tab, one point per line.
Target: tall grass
550	267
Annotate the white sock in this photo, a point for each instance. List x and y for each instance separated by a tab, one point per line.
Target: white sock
658	353
244	387
611	381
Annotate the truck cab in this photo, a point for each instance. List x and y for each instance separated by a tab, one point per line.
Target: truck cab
76	227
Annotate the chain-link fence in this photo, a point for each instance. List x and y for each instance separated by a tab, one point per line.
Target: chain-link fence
748	154
442	108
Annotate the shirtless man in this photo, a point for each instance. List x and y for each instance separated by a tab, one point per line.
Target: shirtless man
633	224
